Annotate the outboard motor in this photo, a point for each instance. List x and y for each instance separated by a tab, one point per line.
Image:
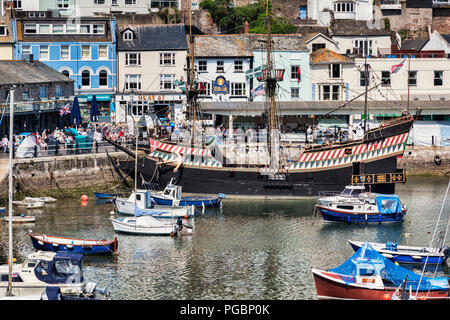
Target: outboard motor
91	289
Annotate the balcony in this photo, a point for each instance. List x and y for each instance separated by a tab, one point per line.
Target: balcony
441	3
390	5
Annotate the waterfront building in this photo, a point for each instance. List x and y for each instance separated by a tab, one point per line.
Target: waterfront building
150	60
325	11
83	50
316	40
40	93
356	38
6	38
85	8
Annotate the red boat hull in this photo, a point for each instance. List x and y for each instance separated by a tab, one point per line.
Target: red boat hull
330	286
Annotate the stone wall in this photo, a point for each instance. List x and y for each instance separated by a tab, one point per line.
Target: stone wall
420	160
63	174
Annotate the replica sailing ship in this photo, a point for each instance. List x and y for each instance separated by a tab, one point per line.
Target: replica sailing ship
203	169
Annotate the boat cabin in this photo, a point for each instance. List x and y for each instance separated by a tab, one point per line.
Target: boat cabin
172	192
352	191
143	199
48	267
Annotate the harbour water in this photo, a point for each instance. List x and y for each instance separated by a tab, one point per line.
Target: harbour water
246	250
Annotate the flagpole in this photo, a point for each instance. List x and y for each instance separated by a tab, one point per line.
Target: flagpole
409	68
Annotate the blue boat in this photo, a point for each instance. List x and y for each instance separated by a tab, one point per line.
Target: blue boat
100	195
84	246
171	196
407	254
2	209
366	207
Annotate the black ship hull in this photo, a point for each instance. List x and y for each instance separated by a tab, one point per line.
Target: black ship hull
231	183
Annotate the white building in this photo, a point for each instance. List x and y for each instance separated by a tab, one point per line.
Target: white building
150	59
323	10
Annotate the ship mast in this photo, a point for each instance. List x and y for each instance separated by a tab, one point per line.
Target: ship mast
191	87
271	84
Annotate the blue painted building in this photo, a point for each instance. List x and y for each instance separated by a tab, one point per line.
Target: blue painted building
83	49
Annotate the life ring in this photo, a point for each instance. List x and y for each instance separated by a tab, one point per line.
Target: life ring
437	160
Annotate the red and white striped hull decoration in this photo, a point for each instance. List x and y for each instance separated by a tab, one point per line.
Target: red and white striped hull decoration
346	156
155	144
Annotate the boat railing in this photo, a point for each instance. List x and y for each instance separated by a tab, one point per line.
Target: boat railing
328	193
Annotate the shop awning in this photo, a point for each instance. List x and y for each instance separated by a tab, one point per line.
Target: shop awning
99	97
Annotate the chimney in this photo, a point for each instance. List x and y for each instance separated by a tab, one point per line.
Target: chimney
246	27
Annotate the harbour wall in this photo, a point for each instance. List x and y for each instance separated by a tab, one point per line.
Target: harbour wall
74	175
426	160
63	175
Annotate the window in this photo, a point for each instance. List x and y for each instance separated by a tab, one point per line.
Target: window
65	52
17	4
3	30
385	78
114	2
202	66
128	35
42	92
335	70
295	72
58	28
103	52
26	94
132	59
438	78
26	49
362	78
71	28
85	78
317	46
336	93
220	66
85	28
98	29
63	4
344	7
85	52
66	73
43	52
237	89
295	93
238	66
44	28
133	82
130	2
412	78
103	78
166	81
167	59
58	90
99	1
206	86
326	92
30	28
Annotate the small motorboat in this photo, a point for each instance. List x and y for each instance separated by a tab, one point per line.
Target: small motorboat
29	205
40	199
361	207
43	269
144	225
85	246
21	219
368	275
2	209
100	195
407	254
144	202
171	196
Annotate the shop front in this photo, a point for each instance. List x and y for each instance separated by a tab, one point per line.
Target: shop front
105	104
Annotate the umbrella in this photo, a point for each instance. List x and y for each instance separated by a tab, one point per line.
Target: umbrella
75	115
94	109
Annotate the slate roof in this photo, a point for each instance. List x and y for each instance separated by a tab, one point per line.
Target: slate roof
347	27
22	72
413	44
153	38
242	45
446	37
327	56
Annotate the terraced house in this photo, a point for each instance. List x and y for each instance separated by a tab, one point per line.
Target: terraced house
83	49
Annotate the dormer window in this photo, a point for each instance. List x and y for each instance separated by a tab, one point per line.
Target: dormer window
128	35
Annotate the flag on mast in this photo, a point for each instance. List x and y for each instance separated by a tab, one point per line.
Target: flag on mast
396	67
256	72
258	91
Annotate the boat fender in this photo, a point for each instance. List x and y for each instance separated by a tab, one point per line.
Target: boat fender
437	160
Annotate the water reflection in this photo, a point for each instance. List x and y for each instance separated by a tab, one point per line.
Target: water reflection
246	250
